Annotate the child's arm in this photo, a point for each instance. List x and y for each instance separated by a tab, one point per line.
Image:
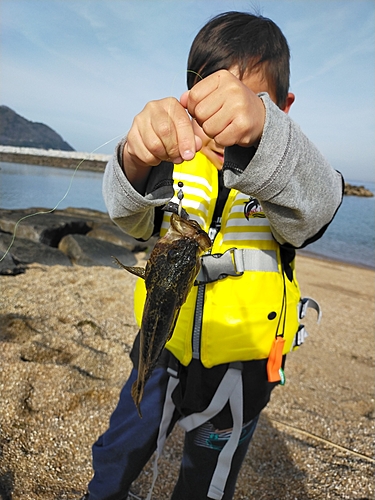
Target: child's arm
129	209
267	156
297	188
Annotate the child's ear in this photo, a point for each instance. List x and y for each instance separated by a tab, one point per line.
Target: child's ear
288	103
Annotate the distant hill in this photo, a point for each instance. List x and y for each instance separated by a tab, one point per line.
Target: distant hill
18	131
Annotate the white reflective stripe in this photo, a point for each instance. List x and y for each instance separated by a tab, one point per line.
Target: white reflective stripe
224	462
166	418
242	196
247	235
187	202
237	209
196	191
255	260
243	222
179	176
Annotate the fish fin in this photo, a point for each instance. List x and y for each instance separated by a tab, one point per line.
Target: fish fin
138	271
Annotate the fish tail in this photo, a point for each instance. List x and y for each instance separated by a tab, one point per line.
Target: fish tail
137	393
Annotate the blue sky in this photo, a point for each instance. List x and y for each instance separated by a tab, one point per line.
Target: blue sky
87	67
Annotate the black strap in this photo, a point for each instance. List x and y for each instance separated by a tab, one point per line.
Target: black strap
223	193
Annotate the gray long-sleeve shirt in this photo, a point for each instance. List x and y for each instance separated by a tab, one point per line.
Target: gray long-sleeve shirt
298	190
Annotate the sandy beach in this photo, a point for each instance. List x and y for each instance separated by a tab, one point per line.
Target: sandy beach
65	334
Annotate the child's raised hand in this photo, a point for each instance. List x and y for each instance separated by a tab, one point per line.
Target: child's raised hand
227	110
162	131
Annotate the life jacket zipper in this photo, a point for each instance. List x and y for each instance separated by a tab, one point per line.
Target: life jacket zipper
198	318
223	193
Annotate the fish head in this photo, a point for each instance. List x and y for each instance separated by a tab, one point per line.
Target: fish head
190	229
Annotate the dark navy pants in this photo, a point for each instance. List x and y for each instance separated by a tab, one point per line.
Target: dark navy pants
120	454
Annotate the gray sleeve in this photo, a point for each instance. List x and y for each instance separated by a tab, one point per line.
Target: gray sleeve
131	211
298	190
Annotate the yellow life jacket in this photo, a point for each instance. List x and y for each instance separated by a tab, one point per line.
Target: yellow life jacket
242	314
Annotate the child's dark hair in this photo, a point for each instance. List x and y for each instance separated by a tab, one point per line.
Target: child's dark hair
244	40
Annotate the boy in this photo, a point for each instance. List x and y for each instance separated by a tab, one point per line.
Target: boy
260	189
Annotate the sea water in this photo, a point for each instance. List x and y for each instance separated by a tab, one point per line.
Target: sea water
349	238
26	186
351	235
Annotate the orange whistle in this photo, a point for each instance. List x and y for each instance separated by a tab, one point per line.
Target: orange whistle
275	359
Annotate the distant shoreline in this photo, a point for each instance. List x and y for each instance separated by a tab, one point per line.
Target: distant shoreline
318	256
54	158
96	162
306	252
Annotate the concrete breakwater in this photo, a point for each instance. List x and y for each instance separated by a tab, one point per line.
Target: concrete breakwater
95	162
54	158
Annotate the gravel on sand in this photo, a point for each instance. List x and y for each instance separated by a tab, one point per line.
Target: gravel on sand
65	335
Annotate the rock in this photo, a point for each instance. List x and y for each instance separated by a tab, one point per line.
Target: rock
351	190
73	235
86	251
8	267
113	234
24	252
42	225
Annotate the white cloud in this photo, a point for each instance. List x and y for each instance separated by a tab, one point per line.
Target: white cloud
87	67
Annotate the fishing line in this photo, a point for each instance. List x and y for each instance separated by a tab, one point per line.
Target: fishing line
323	440
62	199
194	73
172	85
69	187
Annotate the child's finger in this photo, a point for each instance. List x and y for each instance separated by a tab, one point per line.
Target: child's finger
184	99
138	147
186	141
200	92
183	129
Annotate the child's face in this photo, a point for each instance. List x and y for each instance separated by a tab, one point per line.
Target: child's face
255	82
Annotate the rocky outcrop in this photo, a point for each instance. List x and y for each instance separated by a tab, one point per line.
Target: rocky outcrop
67	237
15	130
351	190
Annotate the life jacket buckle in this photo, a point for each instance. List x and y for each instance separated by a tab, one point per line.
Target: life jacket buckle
305	304
217	266
309	303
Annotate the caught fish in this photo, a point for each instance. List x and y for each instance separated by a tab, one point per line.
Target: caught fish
169	276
